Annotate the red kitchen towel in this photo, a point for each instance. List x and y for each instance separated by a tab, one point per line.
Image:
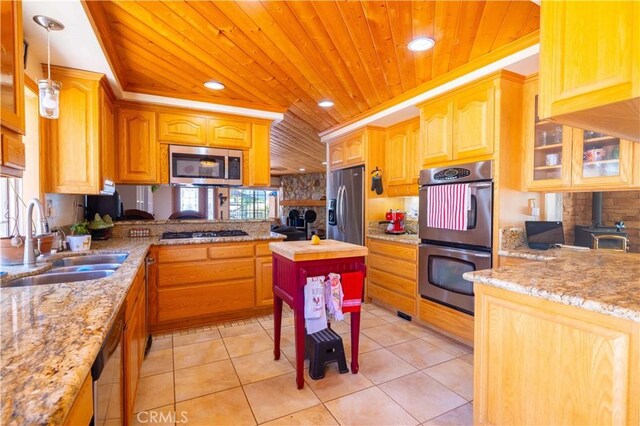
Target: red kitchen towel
447	206
352	289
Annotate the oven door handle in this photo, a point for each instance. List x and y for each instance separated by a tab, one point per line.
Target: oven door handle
464	252
480	185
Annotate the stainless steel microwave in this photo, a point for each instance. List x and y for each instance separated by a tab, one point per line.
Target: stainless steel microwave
204	166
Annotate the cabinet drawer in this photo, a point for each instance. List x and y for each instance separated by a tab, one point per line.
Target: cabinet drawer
171	275
399	267
400	251
393	282
262	249
199	300
182	254
402	303
231	251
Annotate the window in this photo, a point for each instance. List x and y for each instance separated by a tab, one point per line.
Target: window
11	208
248	204
197	199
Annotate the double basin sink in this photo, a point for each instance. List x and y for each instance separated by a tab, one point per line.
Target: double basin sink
72	269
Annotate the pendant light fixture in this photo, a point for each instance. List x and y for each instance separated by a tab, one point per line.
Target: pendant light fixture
49	90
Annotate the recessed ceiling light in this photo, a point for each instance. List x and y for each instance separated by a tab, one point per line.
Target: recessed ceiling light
302	170
420	44
325	103
324	163
215	85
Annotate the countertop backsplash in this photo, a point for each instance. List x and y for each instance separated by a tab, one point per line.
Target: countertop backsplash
512	238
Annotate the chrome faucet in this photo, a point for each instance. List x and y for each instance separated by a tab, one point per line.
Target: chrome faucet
29	249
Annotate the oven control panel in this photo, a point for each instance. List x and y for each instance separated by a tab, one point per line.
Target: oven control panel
452	174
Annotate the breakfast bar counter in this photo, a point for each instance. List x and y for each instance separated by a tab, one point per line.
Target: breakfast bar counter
293	262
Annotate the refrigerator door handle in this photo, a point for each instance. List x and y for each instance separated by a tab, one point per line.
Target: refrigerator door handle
344	216
339	210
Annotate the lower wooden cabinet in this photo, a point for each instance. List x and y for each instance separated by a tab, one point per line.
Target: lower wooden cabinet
392	275
135	336
200	283
542	362
82	409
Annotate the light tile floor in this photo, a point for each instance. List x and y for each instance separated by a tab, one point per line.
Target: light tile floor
225	374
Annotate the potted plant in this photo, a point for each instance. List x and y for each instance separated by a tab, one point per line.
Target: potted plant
80	238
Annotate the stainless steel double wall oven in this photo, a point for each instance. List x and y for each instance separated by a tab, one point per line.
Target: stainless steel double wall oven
445	254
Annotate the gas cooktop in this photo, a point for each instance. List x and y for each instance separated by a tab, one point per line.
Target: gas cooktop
203	234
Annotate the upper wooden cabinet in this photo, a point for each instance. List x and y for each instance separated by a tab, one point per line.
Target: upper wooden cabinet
561	158
256	170
80	145
461	125
347	151
188	129
401	161
12	154
199	129
138	159
590	66
12	66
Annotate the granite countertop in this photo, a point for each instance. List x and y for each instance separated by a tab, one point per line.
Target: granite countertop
403	238
52	333
595	280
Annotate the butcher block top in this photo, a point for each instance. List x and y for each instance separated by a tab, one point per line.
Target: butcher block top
327	249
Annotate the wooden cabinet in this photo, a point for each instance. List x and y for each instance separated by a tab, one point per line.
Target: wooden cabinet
264	275
229	133
138	159
188	129
347	151
135	335
79	145
82	409
473	121
256	170
543	362
589	77
561	158
200	283
401	171
392	274
460	125
12	152
12	66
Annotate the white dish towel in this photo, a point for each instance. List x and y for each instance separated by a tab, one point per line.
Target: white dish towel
315	315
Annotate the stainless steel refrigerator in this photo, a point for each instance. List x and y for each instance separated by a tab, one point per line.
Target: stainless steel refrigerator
345	209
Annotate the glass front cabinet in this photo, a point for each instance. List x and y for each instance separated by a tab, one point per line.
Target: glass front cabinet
558	157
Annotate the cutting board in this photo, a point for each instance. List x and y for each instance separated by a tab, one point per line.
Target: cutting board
327	249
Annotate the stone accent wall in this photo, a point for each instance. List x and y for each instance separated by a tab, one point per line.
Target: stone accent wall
617	206
309	186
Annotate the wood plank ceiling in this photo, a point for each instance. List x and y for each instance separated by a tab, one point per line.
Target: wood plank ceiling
290	55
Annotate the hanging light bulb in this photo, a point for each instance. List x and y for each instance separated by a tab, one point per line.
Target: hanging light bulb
49	90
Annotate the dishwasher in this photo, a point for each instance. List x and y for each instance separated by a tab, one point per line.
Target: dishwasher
107	374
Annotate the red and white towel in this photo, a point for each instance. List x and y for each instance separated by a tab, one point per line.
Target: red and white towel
448	206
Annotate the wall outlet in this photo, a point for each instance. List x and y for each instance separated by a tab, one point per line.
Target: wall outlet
49	211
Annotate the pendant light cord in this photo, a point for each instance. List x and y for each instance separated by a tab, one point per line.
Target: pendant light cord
48	54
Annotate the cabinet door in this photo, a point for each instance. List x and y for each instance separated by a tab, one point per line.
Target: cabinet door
12	151
436	123
336	155
473	121
73	140
354	150
137	146
107	138
182	128
398	155
11	66
228	133
264	281
133	348
601	161
547	157
257	171
586	57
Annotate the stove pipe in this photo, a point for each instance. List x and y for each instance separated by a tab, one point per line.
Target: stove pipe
596	209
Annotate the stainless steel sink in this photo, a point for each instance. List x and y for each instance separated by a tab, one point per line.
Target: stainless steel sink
82	268
55	278
90	259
